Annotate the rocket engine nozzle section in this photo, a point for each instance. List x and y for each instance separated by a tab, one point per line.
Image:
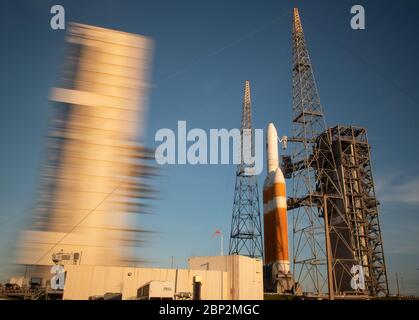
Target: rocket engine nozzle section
275	208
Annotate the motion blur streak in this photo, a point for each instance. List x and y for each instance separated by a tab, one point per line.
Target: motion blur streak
94	180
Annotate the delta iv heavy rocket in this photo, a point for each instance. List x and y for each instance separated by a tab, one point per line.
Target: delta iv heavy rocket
277	276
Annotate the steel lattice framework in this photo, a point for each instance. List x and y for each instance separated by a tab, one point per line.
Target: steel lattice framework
246	230
336	232
350	144
313	169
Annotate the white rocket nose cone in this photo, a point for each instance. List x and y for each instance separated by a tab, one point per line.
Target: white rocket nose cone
279	176
272	147
271	131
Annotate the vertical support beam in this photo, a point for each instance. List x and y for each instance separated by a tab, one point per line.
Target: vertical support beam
328	251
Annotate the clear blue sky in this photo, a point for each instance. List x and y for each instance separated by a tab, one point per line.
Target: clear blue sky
204	51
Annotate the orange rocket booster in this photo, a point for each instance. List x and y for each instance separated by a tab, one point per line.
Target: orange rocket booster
275	207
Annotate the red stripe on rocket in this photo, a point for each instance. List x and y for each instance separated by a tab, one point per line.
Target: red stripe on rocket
275	207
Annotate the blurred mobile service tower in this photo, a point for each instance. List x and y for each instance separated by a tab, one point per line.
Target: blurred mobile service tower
92	183
338	248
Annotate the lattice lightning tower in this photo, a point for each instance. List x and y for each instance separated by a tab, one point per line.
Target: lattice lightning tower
246	231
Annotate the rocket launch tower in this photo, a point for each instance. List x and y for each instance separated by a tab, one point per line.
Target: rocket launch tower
337	244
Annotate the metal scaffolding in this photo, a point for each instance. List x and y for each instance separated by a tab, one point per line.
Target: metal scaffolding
352	153
314	189
337	247
246	230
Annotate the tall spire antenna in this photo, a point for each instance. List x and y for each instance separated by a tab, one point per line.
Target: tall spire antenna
246	231
246	115
298	28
